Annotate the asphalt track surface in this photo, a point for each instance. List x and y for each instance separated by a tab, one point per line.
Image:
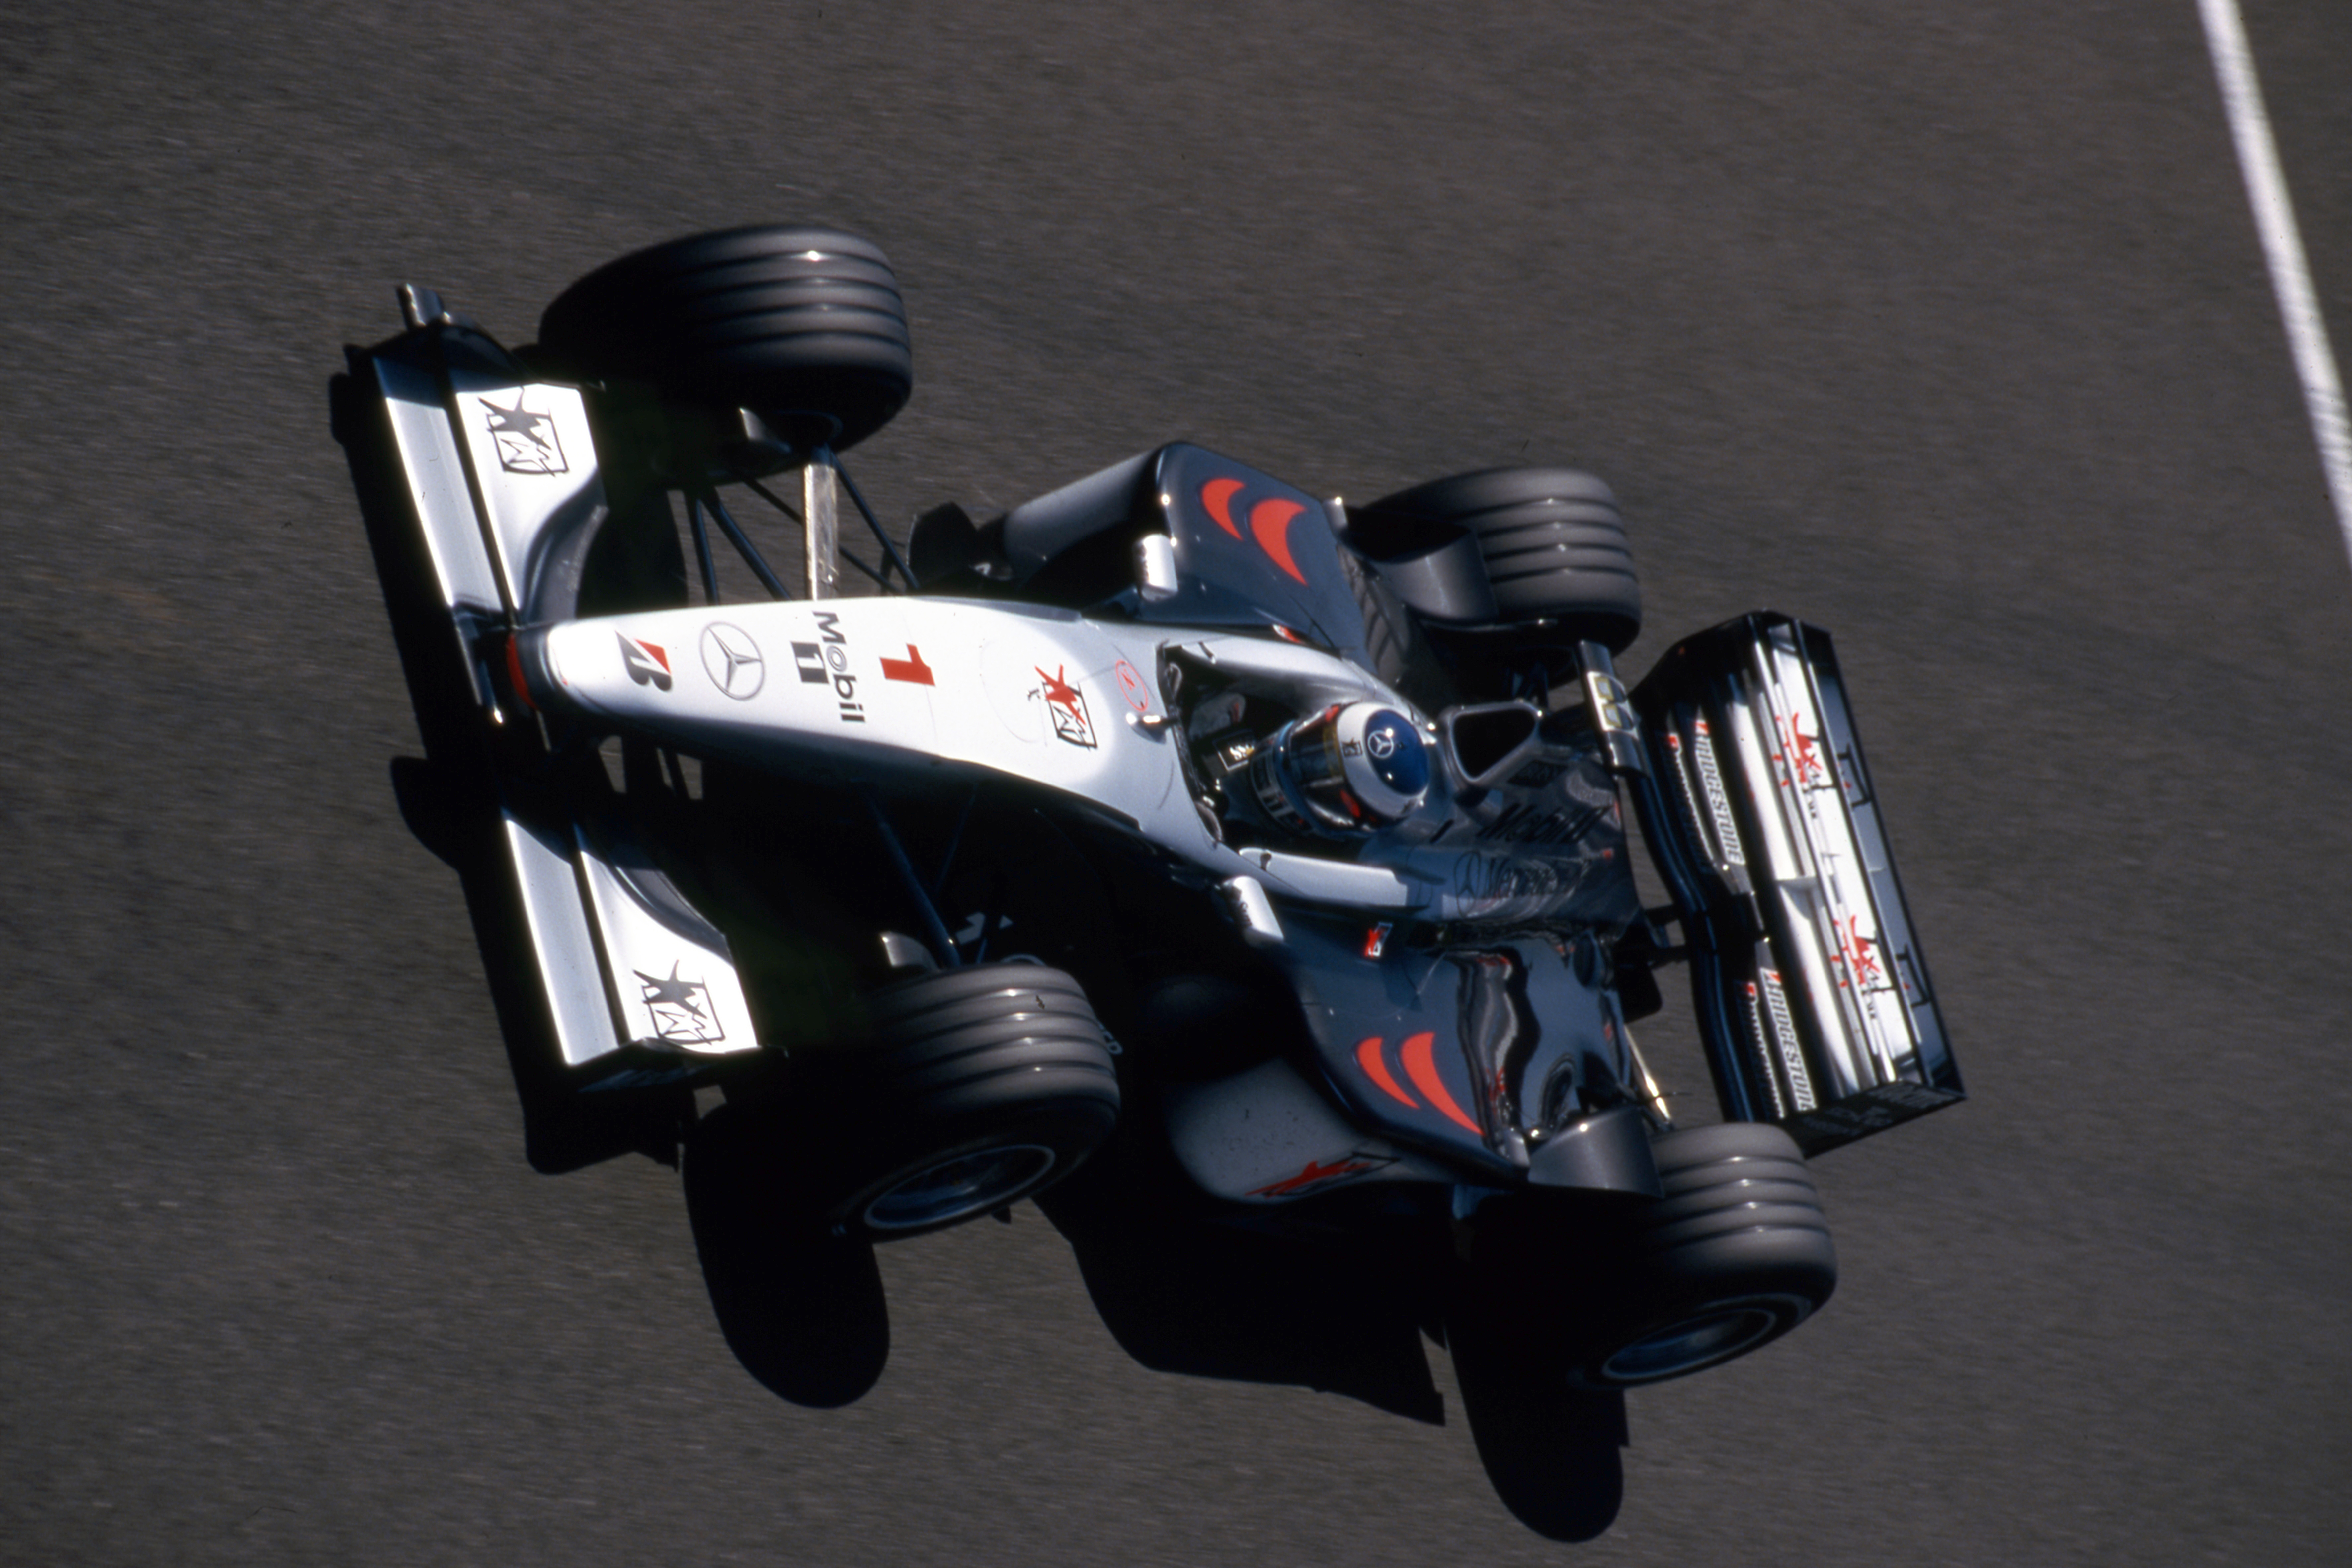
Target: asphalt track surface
1944	327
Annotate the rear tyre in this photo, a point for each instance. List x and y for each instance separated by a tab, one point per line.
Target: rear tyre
1733	1255
983	1085
1400	654
1554	545
1563	1298
802	325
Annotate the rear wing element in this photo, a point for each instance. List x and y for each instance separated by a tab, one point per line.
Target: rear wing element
500	479
1813	1000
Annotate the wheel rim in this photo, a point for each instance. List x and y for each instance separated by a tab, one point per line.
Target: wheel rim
960	1187
1715	1333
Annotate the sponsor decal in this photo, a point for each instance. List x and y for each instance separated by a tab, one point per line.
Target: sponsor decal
1849	777
1863	970
1269	521
1719	804
732	661
910	670
1217	497
648	663
835	645
1131	686
1419	1055
1067	706
1318	1175
1801	754
1612	708
1270	526
681	1009
1376	1067
1376	938
1784	1038
1761	1030
810	661
516	680
526	442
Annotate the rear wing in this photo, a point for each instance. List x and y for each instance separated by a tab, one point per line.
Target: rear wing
1813	999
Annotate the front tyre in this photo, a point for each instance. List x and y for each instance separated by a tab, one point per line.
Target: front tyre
804	325
983	1085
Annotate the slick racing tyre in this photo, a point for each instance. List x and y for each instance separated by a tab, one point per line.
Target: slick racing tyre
1554	545
1559	1300
802	325
983	1086
1400	654
1733	1255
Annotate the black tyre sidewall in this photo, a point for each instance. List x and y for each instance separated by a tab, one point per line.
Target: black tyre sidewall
1553	541
1558	1289
990	1057
1739	1231
800	323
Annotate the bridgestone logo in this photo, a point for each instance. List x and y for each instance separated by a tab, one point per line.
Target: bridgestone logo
1784	1036
1762	1031
1719	804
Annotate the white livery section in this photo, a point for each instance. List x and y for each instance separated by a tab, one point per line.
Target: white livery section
882	685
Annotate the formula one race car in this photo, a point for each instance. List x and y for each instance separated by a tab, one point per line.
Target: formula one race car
1288	831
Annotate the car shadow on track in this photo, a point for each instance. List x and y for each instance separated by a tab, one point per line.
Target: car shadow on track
802	1308
1183	1292
804	1312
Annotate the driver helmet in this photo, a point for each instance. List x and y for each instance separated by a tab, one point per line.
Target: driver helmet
1353	767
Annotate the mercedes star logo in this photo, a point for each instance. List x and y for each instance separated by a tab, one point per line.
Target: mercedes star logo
733	660
1381	743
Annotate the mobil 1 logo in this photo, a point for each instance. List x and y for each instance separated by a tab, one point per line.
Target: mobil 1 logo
827	662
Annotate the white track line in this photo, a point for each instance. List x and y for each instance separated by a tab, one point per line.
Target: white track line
2306	333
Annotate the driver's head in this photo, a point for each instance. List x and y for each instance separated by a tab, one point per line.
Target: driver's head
1354	766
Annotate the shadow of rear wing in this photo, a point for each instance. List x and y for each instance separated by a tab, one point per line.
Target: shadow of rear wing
1813	1000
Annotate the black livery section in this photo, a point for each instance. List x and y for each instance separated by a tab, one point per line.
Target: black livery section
1251	551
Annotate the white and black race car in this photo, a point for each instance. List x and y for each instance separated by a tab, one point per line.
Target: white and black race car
1281	836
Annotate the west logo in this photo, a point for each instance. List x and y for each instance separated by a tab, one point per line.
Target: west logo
1065	705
